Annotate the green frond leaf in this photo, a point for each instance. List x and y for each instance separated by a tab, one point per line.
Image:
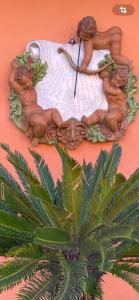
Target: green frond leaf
128	194
94	288
21	166
6	177
58	217
36	289
45	175
52	236
106	179
119	231
93	223
14	227
40	210
58	194
88	246
7	243
97	173
131	278
87	188
31	250
15	271
40	192
14	197
71	174
128	215
73	280
72	188
18	202
128	267
110	191
131	251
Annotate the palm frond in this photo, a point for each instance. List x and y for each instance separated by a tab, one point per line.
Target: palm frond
58	194
7	243
129	250
6	177
36	289
40	210
128	194
93	223
22	169
94	288
14	197
89	246
52	237
112	162
110	233
128	267
21	166
4	207
73	280
15	271
72	187
128	215
45	175
132	278
63	237
30	250
45	210
44	285
71	173
14	227
87	188
98	169
58	217
18	202
110	191
106	178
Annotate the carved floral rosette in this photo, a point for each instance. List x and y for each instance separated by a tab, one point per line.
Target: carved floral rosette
76	131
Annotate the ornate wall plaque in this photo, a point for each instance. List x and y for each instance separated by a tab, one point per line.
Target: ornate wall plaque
71	92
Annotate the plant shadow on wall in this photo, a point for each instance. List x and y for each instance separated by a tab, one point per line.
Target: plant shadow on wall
62	238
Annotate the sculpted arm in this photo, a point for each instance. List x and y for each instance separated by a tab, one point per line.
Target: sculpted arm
108	89
12	81
88	52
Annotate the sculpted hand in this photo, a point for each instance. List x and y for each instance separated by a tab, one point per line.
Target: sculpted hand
83	68
103	74
15	63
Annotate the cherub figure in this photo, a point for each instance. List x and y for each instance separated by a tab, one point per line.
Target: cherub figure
94	39
21	81
113	122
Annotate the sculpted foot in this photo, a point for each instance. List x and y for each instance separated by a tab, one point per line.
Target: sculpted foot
110	137
118	135
29	132
64	125
124	126
35	142
84	119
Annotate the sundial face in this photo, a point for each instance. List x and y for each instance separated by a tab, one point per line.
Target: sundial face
56	90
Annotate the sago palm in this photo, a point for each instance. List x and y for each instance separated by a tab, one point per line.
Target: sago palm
62	238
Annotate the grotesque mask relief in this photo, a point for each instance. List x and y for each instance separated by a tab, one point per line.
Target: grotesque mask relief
84	89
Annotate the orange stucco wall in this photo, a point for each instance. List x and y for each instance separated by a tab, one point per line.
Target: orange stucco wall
21	21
